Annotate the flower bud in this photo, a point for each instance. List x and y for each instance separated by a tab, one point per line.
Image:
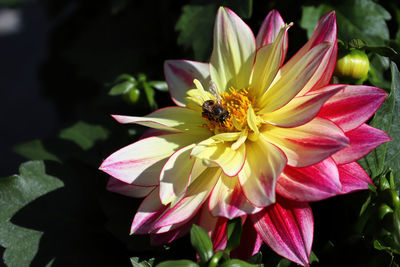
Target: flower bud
353	66
132	97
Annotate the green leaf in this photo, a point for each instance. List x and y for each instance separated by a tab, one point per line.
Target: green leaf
35	150
387	119
379	246
149	95
311	15
84	135
178	263
159	85
384	51
201	242
362	19
125	77
237	263
378	65
392	149
234	232
16	191
121	88
195	27
313	257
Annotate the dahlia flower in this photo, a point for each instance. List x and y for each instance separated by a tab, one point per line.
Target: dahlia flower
279	137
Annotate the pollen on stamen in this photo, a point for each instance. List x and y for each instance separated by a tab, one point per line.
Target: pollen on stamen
236	103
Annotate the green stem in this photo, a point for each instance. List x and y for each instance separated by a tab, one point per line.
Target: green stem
215	259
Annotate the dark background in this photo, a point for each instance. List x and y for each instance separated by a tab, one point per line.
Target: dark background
56	70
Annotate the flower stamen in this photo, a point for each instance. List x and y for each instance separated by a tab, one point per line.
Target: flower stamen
237	103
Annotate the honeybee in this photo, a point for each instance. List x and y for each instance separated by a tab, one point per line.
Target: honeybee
214	110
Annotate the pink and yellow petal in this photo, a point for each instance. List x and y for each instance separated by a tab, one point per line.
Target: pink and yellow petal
313	183
222	155
139	162
307	144
270	29
147	214
233	51
173	119
353	106
195	196
214	226
289	82
301	110
180	74
268	61
287	227
363	140
227	199
174	176
353	178
264	164
325	32
117	186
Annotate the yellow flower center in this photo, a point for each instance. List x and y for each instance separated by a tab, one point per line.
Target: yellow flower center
237	104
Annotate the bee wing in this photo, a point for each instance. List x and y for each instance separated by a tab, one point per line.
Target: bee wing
213	90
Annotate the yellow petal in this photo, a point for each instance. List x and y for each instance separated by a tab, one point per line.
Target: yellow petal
252	120
288	84
233	51
174	177
301	109
227	199
240	141
309	143
264	163
231	161
173	119
267	63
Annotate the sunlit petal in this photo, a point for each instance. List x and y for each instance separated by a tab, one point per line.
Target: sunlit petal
233	53
264	164
227	199
180	74
363	140
140	162
174	177
308	144
196	194
313	183
287	84
353	178
353	106
270	28
301	109
268	61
